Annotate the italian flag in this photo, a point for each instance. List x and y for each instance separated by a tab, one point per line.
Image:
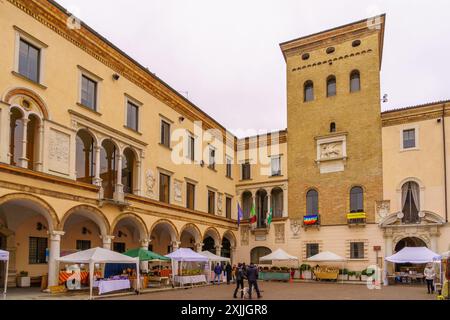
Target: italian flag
269	218
253	215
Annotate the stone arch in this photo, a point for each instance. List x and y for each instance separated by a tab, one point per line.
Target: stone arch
412	179
91	133
95	215
20	91
137	221
49	212
175	236
231	237
194	230
422	237
213	233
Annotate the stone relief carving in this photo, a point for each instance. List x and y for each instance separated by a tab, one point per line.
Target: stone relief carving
150	183
330	150
177	187
244	235
279	232
383	208
296	225
58	151
219	203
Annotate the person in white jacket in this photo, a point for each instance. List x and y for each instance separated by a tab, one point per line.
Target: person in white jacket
429	274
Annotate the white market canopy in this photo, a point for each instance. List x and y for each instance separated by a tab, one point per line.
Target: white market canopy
326	256
445	255
213	257
415	255
4	256
186	255
99	255
279	255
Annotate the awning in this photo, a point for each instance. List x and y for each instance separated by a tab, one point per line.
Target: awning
145	255
326	256
279	255
213	257
186	254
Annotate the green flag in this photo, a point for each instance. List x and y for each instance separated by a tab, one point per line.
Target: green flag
253	215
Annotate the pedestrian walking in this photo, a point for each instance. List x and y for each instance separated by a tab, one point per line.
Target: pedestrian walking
228	272
240	276
252	277
217	273
430	274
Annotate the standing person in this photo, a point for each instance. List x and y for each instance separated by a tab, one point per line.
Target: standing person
252	277
228	271
430	274
240	276
217	273
233	273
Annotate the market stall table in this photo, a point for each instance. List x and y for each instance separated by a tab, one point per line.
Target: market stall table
105	286
182	280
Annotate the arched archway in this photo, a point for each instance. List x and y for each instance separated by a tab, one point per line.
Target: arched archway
408	242
108	167
85	227
129	230
190	237
247	202
261	207
129	170
259	252
19	93
85	156
277	202
163	237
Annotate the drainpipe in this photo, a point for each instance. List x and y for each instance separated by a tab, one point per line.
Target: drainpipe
445	161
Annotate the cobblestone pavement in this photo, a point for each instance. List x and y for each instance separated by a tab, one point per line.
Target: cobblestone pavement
294	291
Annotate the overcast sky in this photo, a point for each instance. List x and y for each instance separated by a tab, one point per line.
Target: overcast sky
226	54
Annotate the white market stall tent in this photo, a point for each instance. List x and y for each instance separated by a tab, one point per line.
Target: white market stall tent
183	255
415	255
327	256
212	260
4	256
279	255
97	256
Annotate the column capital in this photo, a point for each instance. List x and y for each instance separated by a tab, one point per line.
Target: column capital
144	242
107	238
56	235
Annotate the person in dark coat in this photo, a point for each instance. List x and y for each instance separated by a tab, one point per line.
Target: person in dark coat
240	276
252	277
228	272
217	273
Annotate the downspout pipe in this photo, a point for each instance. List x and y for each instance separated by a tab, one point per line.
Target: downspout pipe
445	162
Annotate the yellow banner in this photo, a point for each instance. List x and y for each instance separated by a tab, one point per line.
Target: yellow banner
358	215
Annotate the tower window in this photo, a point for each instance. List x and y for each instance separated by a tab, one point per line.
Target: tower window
355	81
331	86
330	50
308	91
305	56
356	43
332	127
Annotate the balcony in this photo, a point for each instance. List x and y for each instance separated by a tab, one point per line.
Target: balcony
312	220
356	218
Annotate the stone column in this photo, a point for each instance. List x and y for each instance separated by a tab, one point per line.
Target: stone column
23	160
138	174
118	193
434	236
40	160
175	245
218	250
97	180
53	265
144	264
107	241
388	244
233	255
199	247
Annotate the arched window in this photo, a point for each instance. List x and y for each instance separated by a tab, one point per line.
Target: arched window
332	127
410	202
261	207
277	202
331	86
356	200
16	136
308	91
128	163
84	157
355	81
108	168
312	202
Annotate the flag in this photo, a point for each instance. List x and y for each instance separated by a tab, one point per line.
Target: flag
240	214
253	216
269	218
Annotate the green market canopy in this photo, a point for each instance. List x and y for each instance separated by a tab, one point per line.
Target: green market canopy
145	255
